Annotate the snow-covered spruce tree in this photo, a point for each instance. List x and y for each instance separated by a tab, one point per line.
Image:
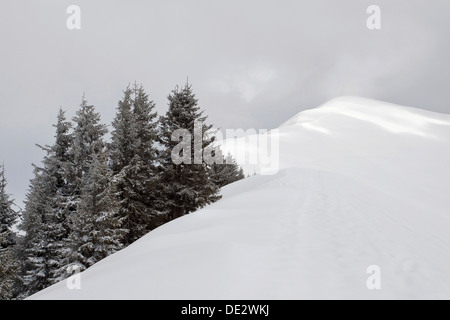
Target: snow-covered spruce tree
227	172
36	270
87	141
184	187
59	166
87	144
96	227
133	156
8	265
45	218
123	135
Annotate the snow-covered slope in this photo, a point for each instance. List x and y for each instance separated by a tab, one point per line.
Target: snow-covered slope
361	183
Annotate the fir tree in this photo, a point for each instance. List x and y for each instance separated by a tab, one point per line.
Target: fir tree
185	187
8	264
124	134
34	245
88	144
45	218
58	165
133	157
96	228
87	140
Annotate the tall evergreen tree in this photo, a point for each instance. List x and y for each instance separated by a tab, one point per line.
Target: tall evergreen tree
124	133
88	144
133	157
185	187
96	228
8	265
87	140
59	167
36	270
45	218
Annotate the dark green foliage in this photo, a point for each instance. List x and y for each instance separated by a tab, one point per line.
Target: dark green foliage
96	227
184	188
133	156
45	218
8	265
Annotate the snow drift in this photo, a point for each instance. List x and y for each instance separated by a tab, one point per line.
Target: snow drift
362	183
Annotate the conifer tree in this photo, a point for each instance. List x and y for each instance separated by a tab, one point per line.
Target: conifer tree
88	145
133	156
124	133
87	141
36	271
96	227
45	218
185	187
8	264
59	167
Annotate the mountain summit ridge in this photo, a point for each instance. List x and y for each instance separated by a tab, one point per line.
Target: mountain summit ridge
393	117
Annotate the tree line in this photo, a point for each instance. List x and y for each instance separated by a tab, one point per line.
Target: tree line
90	198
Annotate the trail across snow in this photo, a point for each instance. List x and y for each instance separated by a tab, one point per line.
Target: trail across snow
361	183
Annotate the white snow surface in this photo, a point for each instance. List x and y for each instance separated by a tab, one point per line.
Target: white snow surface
361	183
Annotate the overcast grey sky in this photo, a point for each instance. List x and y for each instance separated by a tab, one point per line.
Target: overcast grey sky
252	63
